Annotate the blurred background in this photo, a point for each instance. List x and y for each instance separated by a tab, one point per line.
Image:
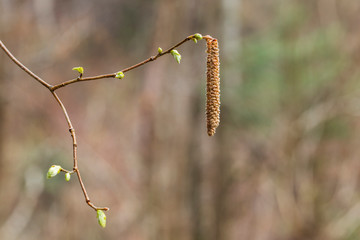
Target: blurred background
283	165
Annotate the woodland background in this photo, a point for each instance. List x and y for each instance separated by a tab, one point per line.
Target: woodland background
283	165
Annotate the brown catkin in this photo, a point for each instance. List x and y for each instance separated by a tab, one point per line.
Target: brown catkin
212	86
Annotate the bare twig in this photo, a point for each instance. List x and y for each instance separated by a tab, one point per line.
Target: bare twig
112	75
75	167
17	62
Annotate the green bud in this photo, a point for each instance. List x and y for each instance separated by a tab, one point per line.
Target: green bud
160	50
120	75
198	36
176	55
67	176
101	217
53	171
194	39
79	69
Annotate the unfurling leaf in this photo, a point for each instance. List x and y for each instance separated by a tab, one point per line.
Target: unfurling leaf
194	39
79	69
160	50
53	171
101	217
176	55
120	75
67	176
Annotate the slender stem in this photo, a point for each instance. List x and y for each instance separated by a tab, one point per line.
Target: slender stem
64	110
75	168
17	62
112	75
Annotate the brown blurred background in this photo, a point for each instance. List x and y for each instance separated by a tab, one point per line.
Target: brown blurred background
283	165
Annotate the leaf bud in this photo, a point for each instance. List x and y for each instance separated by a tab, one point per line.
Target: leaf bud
176	55
67	176
120	75
101	217
53	171
198	36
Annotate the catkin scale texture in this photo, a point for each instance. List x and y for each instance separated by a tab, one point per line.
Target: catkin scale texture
212	86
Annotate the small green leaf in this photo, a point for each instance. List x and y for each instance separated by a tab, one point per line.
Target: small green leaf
194	39
120	75
198	36
79	69
53	171
160	50
101	217
67	176
176	55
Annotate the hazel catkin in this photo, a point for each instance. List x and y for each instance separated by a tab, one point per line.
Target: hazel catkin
212	86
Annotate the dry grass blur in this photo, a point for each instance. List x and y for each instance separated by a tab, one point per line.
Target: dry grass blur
283	164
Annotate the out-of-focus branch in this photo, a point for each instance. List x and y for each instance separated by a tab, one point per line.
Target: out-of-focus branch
17	62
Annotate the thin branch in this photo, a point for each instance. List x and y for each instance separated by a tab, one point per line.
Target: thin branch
112	75
64	110
17	62
75	168
80	79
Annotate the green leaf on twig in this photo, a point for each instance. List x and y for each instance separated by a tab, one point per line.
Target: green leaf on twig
176	55
160	50
79	69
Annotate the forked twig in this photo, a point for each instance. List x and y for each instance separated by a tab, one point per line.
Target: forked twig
52	89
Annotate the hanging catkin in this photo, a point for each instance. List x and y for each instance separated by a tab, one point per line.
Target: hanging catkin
212	85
